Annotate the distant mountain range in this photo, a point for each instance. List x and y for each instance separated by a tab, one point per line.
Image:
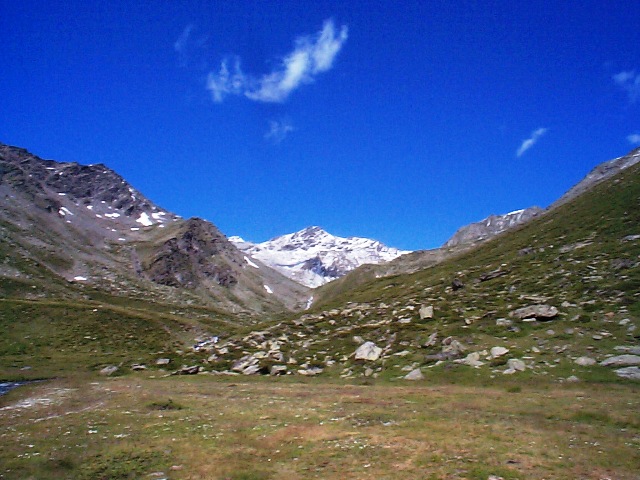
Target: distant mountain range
87	225
314	257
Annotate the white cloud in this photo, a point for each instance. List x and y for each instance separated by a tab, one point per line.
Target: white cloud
312	55
629	81
225	82
181	44
278	130
531	141
634	138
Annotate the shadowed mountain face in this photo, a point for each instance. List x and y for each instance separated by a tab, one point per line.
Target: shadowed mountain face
86	225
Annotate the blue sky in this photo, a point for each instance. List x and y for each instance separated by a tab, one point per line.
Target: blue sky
399	121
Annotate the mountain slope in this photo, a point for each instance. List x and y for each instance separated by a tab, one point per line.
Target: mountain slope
556	297
74	224
314	257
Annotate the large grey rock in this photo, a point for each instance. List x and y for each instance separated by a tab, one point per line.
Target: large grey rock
368	351
584	361
514	365
109	370
539	312
415	374
426	312
621	361
630	373
243	363
472	359
498	351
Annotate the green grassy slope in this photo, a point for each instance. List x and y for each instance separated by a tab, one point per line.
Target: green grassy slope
581	258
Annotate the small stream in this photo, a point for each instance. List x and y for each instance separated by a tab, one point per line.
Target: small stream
7	386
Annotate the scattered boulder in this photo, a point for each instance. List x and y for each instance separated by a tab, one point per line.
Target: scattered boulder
621	361
457	284
163	361
136	367
584	361
472	359
368	351
493	274
415	374
243	363
109	370
452	348
537	312
514	365
630	373
426	312
498	351
188	370
432	340
251	369
504	322
278	370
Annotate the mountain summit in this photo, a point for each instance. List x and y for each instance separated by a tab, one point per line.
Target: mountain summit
313	256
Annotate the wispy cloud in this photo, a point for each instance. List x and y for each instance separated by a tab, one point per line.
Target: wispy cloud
629	81
634	138
278	130
190	46
531	141
312	54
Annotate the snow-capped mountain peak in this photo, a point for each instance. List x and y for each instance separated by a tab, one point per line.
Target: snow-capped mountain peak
313	256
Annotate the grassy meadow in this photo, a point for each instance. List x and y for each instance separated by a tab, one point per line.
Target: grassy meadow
210	427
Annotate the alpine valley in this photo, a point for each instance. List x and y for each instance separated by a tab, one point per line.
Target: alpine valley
172	351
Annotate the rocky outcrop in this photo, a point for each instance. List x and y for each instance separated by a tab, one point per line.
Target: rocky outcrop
197	254
491	226
599	174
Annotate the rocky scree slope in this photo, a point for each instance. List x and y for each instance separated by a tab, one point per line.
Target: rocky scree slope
66	227
314	257
557	298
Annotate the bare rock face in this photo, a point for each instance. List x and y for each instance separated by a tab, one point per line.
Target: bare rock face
197	253
491	226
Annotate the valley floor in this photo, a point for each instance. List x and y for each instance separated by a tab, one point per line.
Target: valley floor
206	427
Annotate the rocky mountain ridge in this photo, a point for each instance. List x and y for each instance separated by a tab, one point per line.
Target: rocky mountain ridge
491	226
314	257
86	225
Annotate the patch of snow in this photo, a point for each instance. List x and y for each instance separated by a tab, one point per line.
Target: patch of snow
122	239
62	194
159	216
134	229
80	279
250	262
64	211
236	239
266	287
112	215
89	207
144	220
309	303
515	212
98	215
